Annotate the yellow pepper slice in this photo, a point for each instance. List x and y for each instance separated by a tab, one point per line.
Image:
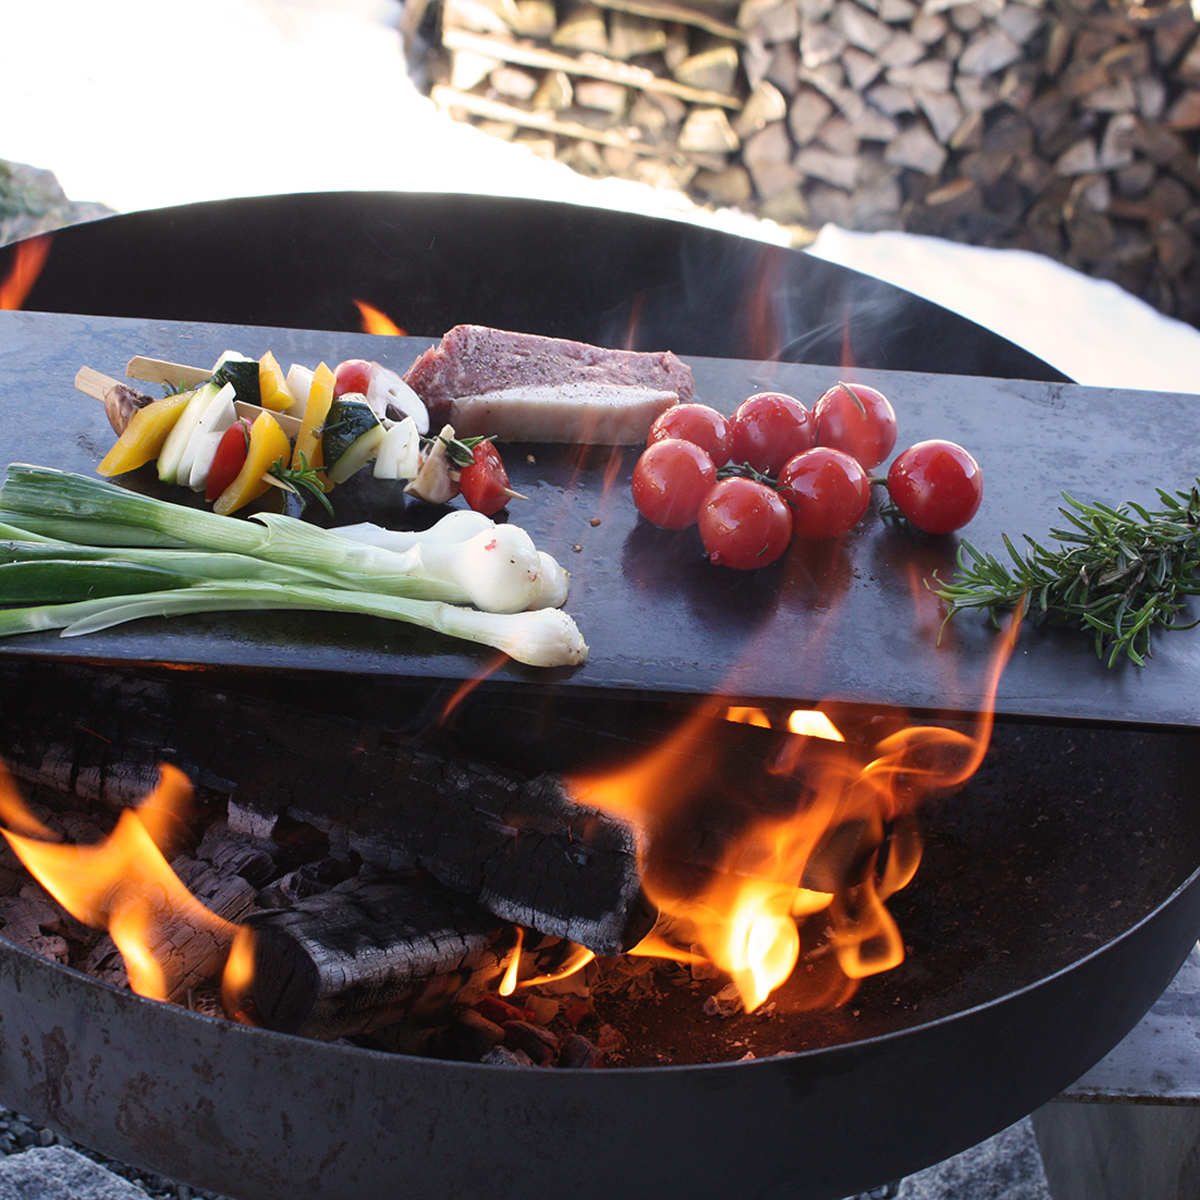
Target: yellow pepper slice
272	384
143	437
308	440
268	445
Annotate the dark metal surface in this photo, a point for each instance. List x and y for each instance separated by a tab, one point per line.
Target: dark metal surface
1000	1004
1003	1000
433	261
850	617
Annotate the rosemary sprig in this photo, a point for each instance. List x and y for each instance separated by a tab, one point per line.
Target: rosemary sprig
1121	573
303	476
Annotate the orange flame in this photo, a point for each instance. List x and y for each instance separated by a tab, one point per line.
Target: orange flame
373	321
850	843
123	883
30	257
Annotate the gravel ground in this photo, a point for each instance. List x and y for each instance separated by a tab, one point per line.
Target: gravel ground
40	1165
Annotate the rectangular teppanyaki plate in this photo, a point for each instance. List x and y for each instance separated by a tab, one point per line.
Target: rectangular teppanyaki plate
852	618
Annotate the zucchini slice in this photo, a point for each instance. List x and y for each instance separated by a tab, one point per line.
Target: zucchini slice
350	438
242	372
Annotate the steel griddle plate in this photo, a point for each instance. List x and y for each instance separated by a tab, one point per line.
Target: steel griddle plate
852	617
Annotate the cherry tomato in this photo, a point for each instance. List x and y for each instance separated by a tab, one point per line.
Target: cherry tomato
828	490
858	420
937	485
744	524
353	375
768	429
229	458
695	423
484	483
670	480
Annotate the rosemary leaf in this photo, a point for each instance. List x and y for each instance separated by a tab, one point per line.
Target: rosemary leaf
1120	573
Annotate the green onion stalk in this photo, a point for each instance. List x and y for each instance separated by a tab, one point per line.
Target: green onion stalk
96	579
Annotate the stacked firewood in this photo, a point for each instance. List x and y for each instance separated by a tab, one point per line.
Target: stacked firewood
646	89
1067	127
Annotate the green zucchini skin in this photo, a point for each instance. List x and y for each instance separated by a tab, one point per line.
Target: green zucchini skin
243	374
350	438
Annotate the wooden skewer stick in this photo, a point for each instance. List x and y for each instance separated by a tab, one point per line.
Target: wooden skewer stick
290	425
159	370
92	383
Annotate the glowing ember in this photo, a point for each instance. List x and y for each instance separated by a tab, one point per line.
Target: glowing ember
123	883
373	321
27	266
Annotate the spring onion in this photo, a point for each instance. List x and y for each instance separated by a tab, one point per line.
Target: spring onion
73	553
504	577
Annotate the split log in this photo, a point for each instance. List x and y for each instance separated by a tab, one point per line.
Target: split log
191	957
523	848
365	954
595	66
522	845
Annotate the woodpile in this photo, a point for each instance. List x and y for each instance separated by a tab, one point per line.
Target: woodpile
1066	127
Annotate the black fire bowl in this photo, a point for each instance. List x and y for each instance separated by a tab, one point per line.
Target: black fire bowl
1063	890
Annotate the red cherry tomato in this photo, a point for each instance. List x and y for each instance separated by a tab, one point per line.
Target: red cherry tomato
744	524
858	420
695	423
670	480
937	485
484	483
229	458
768	429
828	490
353	375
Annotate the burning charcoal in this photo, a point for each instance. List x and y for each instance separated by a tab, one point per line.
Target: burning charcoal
468	1038
578	1013
499	1011
538	1043
609	1039
364	953
543	1009
576	1051
725	1003
477	1021
502	1056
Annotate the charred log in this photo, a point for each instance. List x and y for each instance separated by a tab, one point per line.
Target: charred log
364	954
524	848
191	956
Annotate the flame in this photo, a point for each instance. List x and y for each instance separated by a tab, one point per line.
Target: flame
850	842
512	969
813	723
123	883
373	321
238	975
30	257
